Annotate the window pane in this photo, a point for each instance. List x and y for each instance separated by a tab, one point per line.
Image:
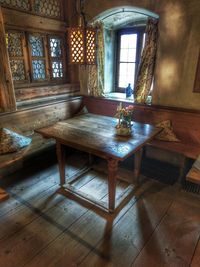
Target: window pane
57	69
126	74
55	46
38	69
128	41
131	55
123	55
14	44
37	49
127	55
17	69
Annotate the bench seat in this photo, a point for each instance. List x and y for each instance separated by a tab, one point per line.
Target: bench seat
37	145
191	151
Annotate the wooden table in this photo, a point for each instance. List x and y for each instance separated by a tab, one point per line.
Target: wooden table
95	134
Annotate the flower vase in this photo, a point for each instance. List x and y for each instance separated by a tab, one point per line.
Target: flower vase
124	127
124	123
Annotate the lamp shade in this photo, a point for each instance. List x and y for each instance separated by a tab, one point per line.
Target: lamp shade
82	45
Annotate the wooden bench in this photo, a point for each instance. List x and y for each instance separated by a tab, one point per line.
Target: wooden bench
186	125
26	121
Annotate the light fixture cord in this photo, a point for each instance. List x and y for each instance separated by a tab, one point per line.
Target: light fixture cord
80	11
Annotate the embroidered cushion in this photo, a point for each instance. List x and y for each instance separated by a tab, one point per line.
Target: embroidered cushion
167	134
11	141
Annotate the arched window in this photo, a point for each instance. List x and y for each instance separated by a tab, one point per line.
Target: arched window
124	34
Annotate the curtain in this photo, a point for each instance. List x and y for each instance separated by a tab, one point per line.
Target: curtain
147	63
92	76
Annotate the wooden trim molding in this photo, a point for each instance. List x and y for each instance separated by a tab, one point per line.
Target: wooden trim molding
7	95
197	77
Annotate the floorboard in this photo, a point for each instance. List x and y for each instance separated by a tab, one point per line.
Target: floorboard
157	225
174	240
125	240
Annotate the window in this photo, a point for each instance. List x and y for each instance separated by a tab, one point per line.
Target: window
129	47
48	8
35	57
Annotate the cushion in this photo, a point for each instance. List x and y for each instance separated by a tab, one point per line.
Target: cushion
82	111
11	141
167	134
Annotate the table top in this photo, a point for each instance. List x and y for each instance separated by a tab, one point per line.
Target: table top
95	134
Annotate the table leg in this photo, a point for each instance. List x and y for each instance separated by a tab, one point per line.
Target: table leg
112	178
61	161
137	164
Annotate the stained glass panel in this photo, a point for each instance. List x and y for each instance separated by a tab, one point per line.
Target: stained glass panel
21	4
14	44
37	49
55	46
49	8
57	69
17	69
38	69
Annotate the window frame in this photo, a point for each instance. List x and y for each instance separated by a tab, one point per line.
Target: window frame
140	31
49	80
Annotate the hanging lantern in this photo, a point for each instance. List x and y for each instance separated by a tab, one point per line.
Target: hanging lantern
82	41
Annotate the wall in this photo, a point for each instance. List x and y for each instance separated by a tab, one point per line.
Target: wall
178	48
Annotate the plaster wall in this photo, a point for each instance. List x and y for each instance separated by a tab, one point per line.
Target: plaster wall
178	48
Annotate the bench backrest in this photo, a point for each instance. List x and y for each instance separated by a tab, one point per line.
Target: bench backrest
186	123
33	118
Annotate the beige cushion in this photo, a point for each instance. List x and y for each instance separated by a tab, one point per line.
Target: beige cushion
11	141
82	111
167	134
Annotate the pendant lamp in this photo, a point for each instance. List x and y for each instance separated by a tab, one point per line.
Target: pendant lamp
82	40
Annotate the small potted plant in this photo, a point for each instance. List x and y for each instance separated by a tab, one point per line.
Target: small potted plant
124	116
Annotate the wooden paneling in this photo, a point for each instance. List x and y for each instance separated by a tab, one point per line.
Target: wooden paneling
33	118
51	90
7	97
25	20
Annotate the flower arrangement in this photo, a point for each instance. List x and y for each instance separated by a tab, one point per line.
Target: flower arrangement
124	123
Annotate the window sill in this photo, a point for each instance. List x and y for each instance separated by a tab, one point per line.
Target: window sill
119	96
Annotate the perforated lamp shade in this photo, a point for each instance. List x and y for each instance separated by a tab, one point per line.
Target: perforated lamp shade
82	45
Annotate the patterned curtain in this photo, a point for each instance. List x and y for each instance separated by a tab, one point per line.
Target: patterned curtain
92	76
147	63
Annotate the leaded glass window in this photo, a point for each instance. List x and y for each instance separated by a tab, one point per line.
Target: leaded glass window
56	57
37	49
17	69
50	8
38	69
55	46
19	4
35	57
14	41
38	58
57	69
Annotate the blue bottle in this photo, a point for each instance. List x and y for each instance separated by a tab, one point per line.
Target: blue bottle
128	91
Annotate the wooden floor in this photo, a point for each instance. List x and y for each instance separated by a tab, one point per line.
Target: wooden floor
159	226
